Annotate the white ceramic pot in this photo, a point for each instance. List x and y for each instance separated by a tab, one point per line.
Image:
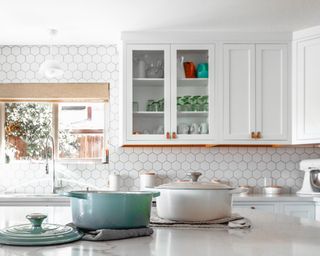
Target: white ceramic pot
195	201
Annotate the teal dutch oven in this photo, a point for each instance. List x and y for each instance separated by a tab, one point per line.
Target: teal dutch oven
92	210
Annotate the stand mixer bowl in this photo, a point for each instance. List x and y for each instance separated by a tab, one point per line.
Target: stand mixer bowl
315	178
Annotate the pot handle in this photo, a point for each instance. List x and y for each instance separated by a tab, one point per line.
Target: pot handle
155	194
74	195
238	190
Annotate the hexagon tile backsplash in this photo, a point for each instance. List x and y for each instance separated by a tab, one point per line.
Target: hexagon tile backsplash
99	63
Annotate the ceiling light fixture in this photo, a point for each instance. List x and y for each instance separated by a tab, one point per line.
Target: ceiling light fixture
51	68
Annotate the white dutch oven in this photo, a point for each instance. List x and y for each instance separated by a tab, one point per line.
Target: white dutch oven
195	201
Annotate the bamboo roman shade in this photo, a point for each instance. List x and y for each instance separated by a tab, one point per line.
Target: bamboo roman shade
54	92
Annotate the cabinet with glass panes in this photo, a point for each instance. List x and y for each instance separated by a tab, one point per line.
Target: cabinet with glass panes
169	94
192	90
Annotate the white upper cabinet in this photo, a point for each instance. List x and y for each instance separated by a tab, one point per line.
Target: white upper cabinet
239	91
272	91
193	96
308	91
255	93
255	89
168	94
147	93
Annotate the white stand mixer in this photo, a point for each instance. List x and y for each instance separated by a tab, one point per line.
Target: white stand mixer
310	185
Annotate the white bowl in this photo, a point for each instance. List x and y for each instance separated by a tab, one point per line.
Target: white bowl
272	190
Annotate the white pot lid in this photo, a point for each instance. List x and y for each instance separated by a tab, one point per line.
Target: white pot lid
195	186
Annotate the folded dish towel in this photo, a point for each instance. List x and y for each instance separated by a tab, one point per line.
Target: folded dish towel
233	222
114	234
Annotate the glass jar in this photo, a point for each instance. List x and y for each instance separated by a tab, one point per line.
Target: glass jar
135	106
155	106
149	105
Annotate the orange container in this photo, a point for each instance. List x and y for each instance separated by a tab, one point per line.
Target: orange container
189	69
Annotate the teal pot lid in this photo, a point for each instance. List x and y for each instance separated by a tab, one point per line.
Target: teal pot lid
36	233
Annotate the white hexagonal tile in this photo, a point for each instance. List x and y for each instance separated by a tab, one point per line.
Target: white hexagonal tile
276	174
185	166
228	174
204	166
218	174
257	174
271	166
252	166
147	166
247	174
252	182
247	158
195	166
281	166
111	50
95	174
86	174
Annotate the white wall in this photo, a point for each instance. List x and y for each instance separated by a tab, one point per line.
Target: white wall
99	63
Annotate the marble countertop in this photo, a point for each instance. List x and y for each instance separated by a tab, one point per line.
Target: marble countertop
276	198
271	235
56	200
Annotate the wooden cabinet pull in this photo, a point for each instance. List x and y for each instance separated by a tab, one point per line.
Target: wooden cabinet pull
168	136
259	135
174	135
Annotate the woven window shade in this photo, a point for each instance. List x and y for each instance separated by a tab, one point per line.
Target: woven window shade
54	92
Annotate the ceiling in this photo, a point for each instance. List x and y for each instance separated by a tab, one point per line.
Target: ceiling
101	21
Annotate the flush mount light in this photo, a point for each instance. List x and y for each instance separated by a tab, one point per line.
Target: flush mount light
51	68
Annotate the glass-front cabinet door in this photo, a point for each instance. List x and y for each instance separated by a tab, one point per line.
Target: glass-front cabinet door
148	93
192	93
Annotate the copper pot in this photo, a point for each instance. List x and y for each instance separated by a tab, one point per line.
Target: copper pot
189	69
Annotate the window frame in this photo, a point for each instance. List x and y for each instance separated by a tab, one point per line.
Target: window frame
55	135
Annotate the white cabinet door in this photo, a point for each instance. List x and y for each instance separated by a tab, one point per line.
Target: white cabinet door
317	211
239	91
147	94
308	90
271	91
299	210
265	207
193	97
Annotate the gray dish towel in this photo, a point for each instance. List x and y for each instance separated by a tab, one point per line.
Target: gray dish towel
235	221
114	234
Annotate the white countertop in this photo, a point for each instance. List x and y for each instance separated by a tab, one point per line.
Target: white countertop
56	200
270	235
276	198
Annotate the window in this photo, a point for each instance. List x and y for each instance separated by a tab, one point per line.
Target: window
26	127
78	130
81	128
